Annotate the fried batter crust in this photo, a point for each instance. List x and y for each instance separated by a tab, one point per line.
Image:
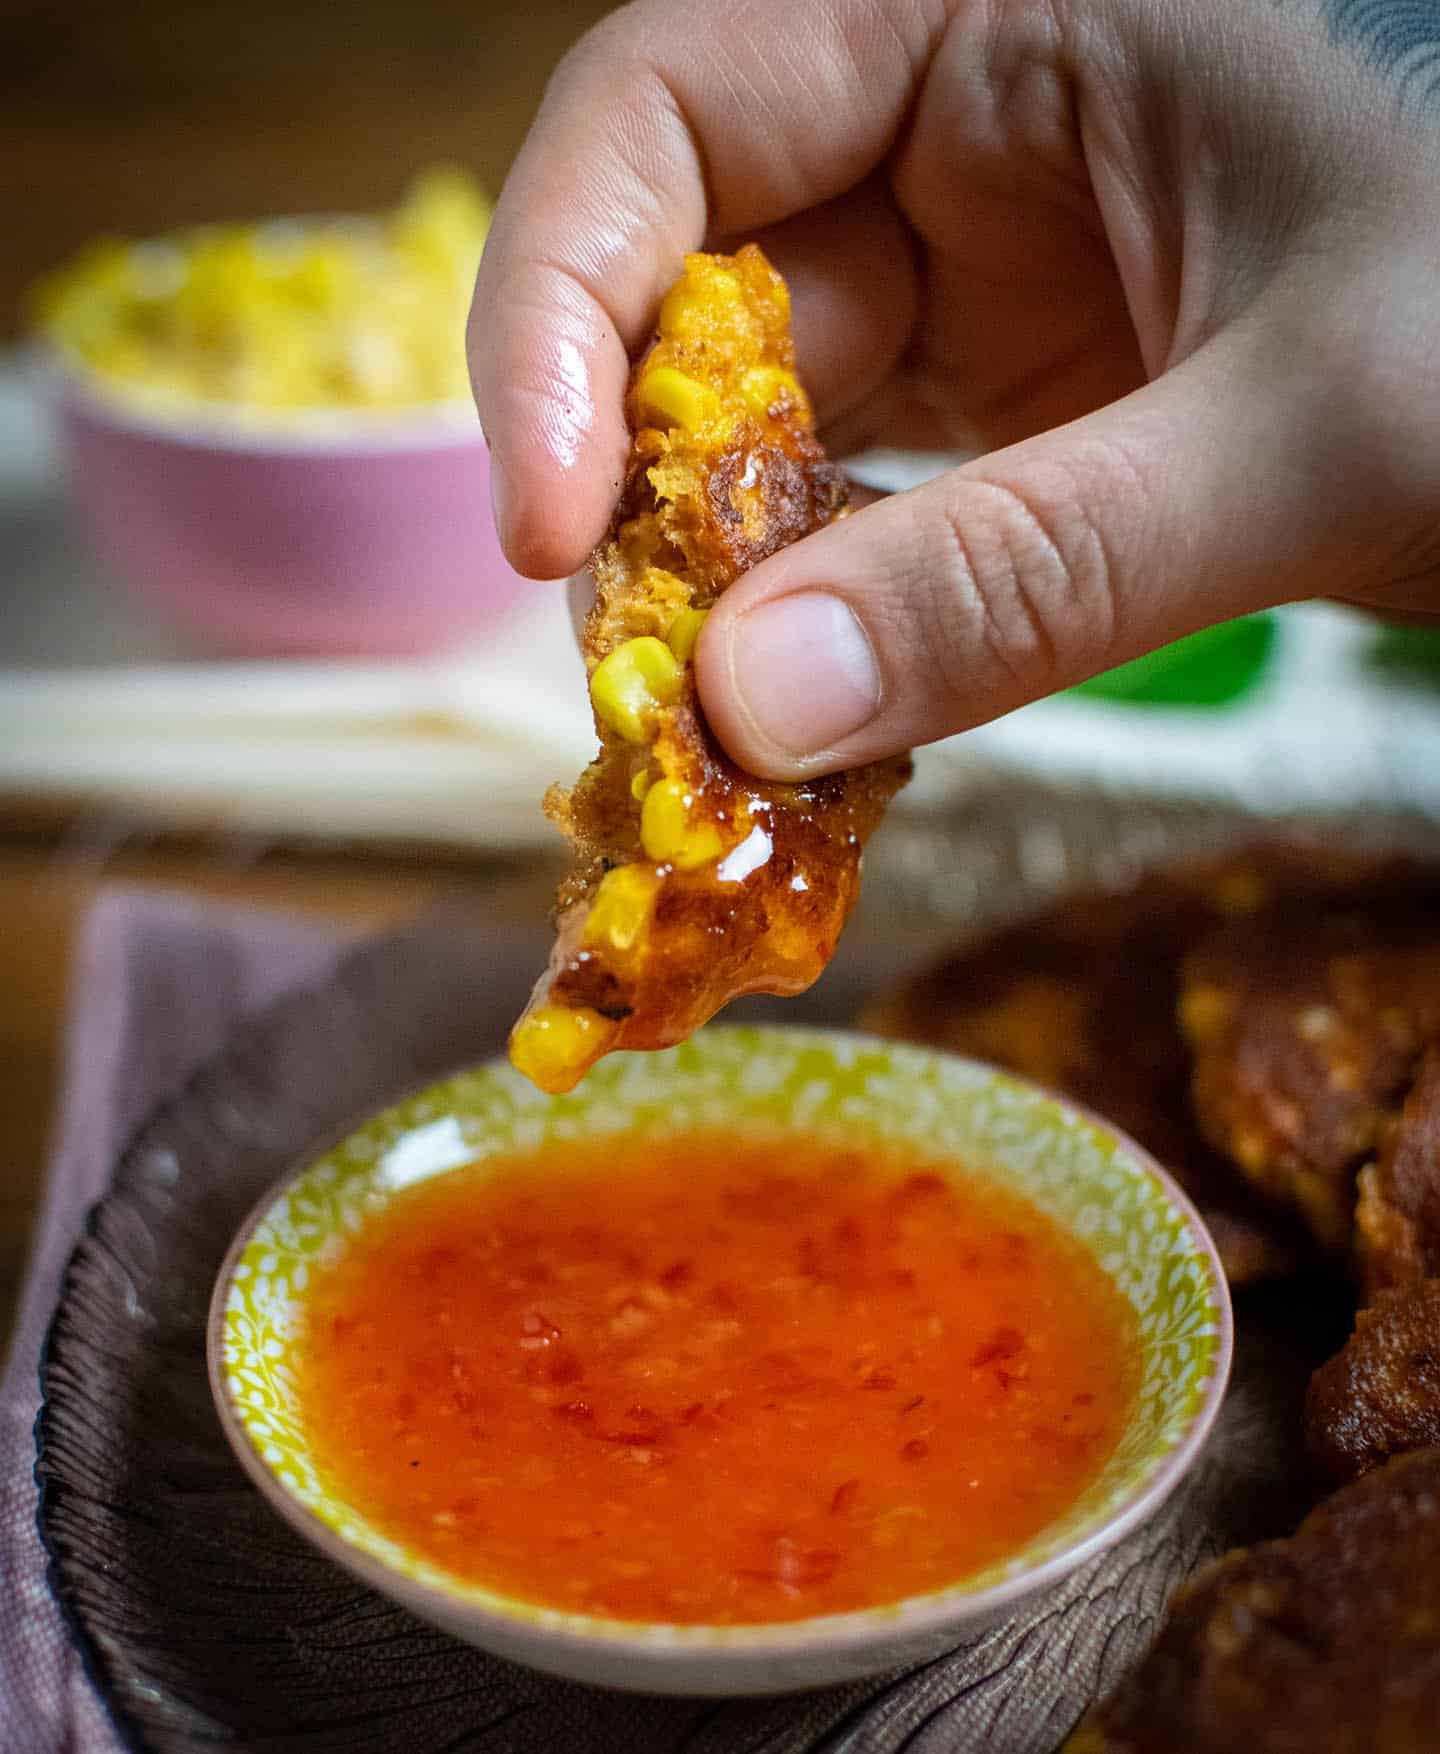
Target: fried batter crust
1326	1643
1380	1395
701	503
1308	1023
1083	997
1397	1216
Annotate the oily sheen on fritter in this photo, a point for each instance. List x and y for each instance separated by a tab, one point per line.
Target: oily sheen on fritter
694	882
1379	1396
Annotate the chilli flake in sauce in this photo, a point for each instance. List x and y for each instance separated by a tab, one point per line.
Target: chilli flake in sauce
712	1380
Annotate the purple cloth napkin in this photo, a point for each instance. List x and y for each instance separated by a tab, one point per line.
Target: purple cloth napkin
159	982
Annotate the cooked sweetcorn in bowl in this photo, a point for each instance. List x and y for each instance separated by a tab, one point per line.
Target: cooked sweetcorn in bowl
269	428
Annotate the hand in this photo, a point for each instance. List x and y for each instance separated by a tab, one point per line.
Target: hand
1171	267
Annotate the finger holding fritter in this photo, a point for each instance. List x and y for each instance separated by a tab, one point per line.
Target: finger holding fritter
648	141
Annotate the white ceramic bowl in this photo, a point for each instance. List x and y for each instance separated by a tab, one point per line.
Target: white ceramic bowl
1074	1167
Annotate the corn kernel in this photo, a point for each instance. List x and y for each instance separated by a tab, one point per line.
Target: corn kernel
669	831
683	632
641	783
1088	1739
691	304
1317	1023
677	399
633	683
553	1046
269	319
1205	1011
765	385
1251	1151
622	906
1240	891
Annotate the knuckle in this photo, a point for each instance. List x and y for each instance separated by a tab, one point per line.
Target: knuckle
644	143
1028	588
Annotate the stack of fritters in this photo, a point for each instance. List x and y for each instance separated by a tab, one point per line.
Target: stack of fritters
1083	1000
1268	1025
1255	1021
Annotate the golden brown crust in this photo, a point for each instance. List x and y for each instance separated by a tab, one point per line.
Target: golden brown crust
1308	1022
1380	1395
1326	1643
1397	1216
1083	998
1313	1008
740	885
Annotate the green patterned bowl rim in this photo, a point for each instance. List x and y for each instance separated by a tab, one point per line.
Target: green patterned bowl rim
1071	1163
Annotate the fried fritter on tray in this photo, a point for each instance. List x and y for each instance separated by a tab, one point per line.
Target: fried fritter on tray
1326	1643
1082	999
1308	1024
694	882
1380	1395
1308	985
1397	1216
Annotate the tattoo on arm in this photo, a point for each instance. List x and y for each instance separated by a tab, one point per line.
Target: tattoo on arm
1400	37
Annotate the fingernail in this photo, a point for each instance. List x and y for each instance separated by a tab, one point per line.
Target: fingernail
804	669
498	506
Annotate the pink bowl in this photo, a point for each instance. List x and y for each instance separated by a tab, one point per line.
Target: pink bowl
361	536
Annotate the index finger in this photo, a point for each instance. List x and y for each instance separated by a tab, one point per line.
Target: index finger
665	124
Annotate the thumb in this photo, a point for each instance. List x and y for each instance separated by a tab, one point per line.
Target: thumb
1204	495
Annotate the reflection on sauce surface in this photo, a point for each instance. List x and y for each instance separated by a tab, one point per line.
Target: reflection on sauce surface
714	1380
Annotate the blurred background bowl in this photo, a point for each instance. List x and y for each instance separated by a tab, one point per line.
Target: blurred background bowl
349	533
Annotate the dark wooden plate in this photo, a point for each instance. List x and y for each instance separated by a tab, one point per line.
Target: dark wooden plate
206	1622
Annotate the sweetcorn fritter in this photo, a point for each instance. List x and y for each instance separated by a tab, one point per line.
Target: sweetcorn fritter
1324	1643
1308	1022
694	882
